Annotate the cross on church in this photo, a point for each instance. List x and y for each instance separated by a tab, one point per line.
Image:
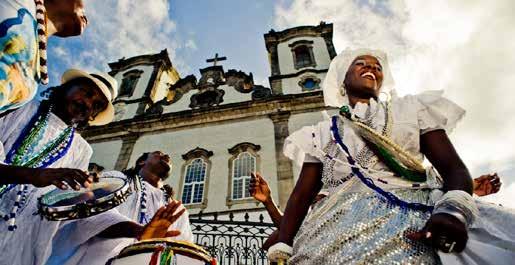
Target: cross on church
216	59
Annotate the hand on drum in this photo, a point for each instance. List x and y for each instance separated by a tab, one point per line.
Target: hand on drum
60	177
164	217
444	232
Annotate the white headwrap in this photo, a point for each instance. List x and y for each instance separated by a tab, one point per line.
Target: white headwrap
333	83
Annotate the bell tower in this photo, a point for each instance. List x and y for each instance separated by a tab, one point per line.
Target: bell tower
299	57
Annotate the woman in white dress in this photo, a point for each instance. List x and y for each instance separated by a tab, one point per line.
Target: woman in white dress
383	206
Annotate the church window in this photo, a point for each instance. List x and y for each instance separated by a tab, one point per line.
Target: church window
195	178
243	165
129	83
194	181
244	161
302	52
309	83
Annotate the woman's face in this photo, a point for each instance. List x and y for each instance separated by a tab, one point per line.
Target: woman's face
364	77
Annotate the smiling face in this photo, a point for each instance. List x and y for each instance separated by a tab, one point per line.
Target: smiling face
364	77
67	16
79	101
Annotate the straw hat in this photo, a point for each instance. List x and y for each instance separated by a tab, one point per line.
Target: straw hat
107	85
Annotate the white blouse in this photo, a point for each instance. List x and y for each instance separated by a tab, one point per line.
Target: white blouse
412	116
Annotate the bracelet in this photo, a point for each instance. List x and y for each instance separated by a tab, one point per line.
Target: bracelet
459	204
279	251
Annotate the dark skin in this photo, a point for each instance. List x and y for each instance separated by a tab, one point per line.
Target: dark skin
67	16
435	145
153	169
76	102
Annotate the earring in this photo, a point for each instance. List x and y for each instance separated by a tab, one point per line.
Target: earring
342	89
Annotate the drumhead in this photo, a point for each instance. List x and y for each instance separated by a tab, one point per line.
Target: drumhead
179	247
69	204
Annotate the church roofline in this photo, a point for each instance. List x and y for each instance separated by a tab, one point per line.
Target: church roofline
146	59
273	37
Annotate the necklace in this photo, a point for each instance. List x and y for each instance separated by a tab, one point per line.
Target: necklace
143	217
42	40
23	153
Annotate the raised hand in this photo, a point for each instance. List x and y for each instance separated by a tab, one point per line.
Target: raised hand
487	184
259	188
163	218
444	232
60	177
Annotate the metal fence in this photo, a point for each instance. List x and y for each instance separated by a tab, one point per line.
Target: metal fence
232	242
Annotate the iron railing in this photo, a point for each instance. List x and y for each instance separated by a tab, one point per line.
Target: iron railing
232	242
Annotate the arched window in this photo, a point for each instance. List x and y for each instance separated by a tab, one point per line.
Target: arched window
243	162
303	59
302	52
195	178
193	189
243	165
129	82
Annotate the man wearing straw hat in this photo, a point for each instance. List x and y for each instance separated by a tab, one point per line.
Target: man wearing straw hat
41	147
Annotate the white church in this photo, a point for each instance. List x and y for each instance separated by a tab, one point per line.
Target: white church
222	126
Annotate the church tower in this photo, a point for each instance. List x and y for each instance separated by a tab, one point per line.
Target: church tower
299	57
143	80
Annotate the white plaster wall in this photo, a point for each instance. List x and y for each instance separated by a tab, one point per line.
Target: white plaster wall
291	85
232	95
162	88
142	82
181	104
130	110
218	139
106	153
320	52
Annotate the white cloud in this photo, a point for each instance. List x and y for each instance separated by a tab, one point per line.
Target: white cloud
124	28
463	47
190	44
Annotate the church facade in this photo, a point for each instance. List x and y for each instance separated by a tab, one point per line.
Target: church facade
222	126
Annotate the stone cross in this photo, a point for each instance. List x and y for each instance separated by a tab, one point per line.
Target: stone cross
216	59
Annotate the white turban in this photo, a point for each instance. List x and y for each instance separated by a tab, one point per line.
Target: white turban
338	68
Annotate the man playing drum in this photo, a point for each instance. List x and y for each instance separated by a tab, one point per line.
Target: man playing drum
39	139
145	179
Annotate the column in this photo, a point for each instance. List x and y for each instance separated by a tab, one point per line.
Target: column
126	151
284	166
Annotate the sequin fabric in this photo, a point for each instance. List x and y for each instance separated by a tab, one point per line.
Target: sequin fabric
363	228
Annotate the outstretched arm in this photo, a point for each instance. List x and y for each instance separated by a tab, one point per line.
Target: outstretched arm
156	228
306	189
260	190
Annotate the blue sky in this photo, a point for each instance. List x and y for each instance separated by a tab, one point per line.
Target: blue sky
462	47
202	28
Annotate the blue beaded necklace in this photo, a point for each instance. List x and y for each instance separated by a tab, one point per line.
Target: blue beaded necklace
23	154
143	217
370	182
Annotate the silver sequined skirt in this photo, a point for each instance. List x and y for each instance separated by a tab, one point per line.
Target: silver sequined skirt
363	228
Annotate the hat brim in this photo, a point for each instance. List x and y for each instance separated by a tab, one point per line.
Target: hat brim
107	115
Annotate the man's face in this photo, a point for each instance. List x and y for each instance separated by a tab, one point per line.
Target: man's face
158	163
83	101
68	16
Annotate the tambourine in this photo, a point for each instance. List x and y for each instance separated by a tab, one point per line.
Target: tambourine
101	196
163	251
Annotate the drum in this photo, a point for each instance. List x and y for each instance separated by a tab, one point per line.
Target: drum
101	196
162	251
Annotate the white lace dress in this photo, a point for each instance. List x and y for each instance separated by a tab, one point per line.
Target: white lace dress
355	224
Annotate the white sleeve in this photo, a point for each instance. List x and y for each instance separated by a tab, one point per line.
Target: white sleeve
305	145
436	112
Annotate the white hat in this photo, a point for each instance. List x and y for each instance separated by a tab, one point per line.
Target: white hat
106	83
